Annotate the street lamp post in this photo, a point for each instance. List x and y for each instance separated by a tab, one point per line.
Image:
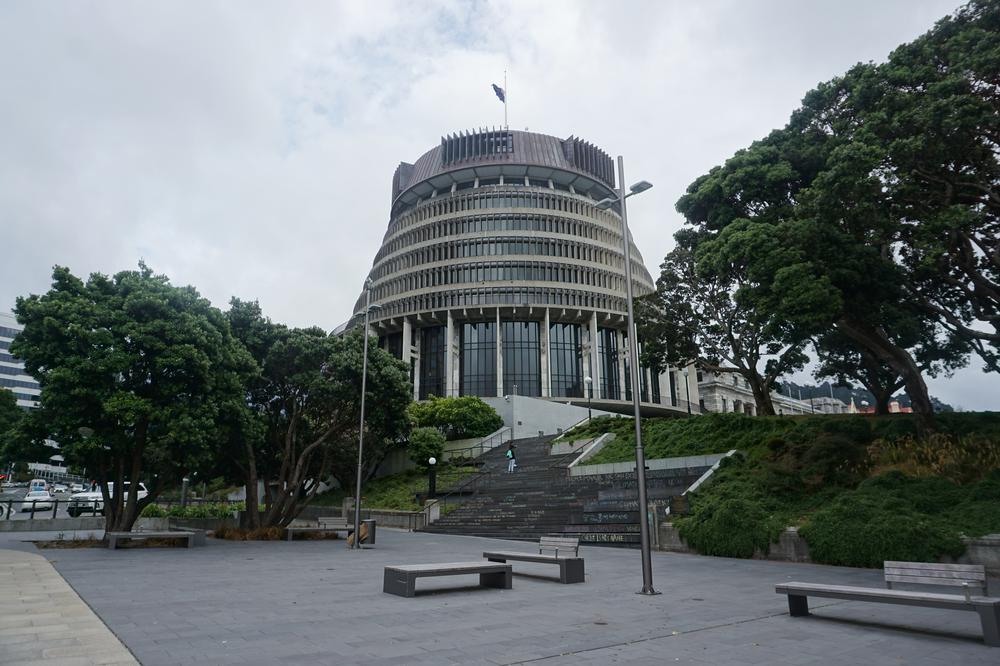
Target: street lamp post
431	477
687	391
361	429
640	457
589	381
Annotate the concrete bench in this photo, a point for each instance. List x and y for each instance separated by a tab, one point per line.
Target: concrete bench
570	568
401	580
964	575
115	537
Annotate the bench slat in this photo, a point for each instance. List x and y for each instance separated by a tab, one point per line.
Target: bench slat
905	597
972	568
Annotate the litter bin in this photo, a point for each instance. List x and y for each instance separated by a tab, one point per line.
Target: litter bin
370	523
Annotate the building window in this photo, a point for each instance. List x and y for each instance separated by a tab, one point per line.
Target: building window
521	359
628	374
479	359
432	350
392	343
566	361
607	351
673	388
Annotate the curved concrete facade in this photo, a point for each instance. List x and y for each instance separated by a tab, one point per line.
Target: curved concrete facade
498	275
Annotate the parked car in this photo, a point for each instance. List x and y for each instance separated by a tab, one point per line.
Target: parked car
39	499
93	502
60	488
76	487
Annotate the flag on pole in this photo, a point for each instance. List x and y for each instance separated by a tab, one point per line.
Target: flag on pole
500	93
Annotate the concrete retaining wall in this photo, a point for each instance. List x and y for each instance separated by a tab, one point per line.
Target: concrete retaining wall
791	547
82	523
659	463
529	416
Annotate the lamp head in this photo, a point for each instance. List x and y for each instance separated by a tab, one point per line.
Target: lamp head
432	460
605	204
641	186
588	380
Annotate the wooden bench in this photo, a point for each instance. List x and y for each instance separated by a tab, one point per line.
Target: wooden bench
401	580
115	537
570	568
967	576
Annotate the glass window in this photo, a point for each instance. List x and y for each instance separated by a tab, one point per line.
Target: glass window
432	351
521	359
478	364
566	361
607	350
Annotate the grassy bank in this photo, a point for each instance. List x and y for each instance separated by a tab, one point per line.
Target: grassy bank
398	491
861	489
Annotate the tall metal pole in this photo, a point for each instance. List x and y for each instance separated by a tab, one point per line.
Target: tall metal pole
361	429
640	456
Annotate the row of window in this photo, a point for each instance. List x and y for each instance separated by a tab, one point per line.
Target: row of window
500	272
498	246
8	332
502	197
502	296
25	396
491	223
8	370
20	383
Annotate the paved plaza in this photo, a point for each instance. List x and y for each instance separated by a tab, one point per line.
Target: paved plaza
317	602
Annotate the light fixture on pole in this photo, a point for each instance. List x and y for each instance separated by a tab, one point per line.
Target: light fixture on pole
361	430
687	390
640	457
589	381
431	477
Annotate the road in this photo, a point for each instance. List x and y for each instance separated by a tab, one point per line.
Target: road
15	495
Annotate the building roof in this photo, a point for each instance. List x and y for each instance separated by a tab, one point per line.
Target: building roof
490	152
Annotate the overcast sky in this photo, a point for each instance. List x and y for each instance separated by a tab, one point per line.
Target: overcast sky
248	148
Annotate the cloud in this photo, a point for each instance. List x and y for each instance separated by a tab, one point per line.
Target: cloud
248	148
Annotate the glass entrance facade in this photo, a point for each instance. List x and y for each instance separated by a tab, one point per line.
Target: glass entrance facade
566	361
432	364
479	359
522	372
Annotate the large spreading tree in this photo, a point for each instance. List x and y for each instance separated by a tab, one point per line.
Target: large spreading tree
878	202
304	413
135	374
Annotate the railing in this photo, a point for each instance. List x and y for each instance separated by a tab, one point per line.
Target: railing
42	508
491	441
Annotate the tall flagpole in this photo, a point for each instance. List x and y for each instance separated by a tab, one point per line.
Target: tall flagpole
506	94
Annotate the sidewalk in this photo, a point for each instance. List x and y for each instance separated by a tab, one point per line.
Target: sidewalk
43	621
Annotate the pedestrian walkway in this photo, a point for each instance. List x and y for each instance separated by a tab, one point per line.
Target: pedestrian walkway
316	602
43	621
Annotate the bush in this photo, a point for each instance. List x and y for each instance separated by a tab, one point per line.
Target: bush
457	418
202	510
425	443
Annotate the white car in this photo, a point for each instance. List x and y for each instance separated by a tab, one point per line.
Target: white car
60	488
39	499
76	487
93	502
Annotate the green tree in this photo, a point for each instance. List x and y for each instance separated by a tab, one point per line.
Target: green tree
134	374
305	413
703	311
10	419
425	443
457	417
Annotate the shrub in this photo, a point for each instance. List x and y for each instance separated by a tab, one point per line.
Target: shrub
425	443
458	418
867	526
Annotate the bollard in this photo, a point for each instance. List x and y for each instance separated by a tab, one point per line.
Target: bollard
55	507
33	503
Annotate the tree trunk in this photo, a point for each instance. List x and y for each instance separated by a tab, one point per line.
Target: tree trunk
251	516
899	361
761	394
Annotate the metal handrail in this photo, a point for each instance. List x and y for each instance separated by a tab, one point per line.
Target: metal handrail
487	443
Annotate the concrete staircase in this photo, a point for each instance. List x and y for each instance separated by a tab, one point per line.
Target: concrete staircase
540	498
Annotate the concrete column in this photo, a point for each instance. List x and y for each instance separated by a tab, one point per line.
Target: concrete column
416	369
543	351
407	338
622	355
499	356
592	361
450	387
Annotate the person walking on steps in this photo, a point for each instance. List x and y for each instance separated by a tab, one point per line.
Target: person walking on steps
511	458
